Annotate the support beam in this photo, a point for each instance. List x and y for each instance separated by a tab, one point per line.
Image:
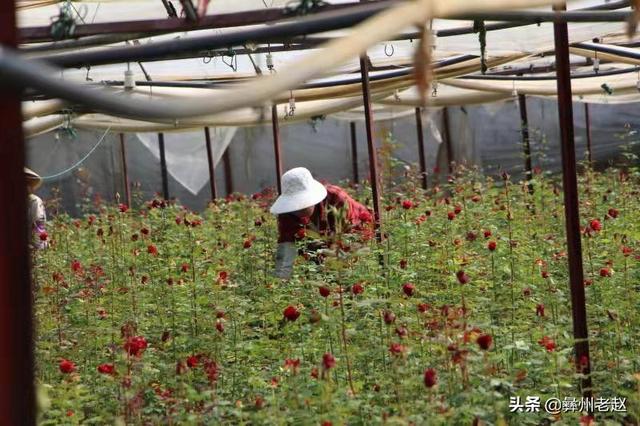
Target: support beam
125	174
526	145
354	152
423	161
373	160
276	146
447	138
212	168
587	120
228	177
17	402
163	167
571	205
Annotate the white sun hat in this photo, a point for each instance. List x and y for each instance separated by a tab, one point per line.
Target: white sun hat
299	191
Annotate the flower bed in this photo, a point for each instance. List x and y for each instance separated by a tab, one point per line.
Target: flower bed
160	316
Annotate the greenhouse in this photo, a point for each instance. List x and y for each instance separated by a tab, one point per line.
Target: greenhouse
398	212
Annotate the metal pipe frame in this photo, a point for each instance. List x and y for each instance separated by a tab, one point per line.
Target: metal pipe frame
125	174
163	167
228	176
17	394
587	123
373	158
354	152
421	155
526	145
212	170
276	146
571	206
146	28
447	138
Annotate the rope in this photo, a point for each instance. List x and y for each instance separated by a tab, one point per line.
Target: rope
79	163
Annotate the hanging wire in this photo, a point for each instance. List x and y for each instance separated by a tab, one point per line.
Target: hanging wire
79	163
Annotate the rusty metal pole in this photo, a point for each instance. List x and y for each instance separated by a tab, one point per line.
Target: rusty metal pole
571	205
447	138
354	152
526	145
423	161
228	177
17	401
212	167
163	167
587	120
373	161
276	145
125	174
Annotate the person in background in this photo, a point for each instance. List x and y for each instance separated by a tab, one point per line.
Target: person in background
36	211
306	203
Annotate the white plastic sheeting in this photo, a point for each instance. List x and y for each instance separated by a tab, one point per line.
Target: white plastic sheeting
186	154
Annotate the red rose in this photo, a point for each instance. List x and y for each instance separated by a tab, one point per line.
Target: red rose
626	251
247	243
106	368
324	291
135	345
389	317
457	209
397	349
613	213
484	341
430	377
463	278
605	272
222	276
123	208
357	288
184	267
407	204
67	366
193	361
76	266
491	245
408	289
402	332
451	215
423	307
152	250
328	361
526	291
301	233
220	326
544	274
403	263
471	236
540	310
291	313
487	233
595	225
547	343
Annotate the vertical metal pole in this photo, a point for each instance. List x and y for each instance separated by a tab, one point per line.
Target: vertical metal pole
354	152
125	174
587	120
276	145
212	169
17	402
423	161
373	161
447	138
526	146
572	213
228	177
163	167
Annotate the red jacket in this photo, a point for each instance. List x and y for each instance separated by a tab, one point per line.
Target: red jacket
357	217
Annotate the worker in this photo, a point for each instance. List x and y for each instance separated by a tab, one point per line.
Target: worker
36	212
305	204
